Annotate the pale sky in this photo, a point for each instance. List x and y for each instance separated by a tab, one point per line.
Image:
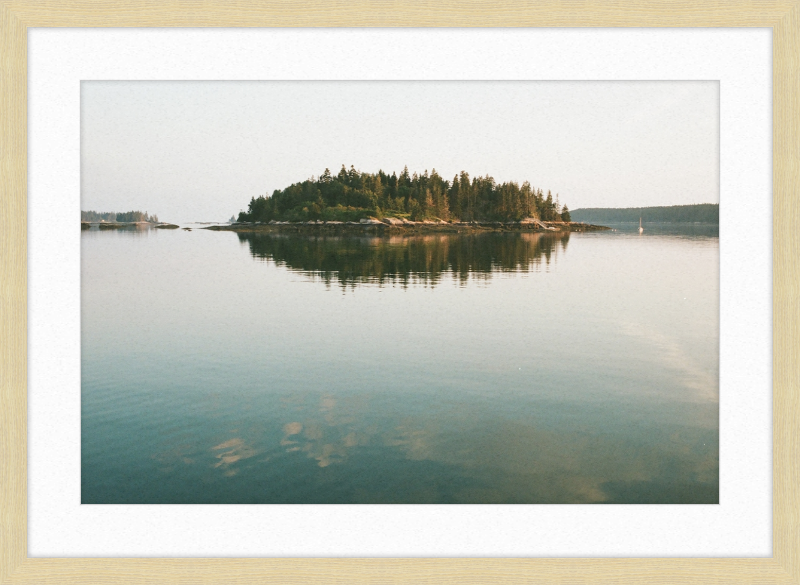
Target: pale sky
198	150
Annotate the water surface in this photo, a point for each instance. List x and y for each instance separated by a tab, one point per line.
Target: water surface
519	368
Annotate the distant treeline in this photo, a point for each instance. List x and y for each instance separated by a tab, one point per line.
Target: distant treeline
352	195
127	216
702	213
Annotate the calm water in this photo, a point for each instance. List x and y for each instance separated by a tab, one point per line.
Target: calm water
239	368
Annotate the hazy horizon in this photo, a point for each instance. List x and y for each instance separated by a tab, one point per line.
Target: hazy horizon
198	151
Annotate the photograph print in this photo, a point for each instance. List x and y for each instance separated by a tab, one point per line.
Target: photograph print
399	292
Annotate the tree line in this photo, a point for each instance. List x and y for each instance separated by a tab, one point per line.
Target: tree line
701	213
126	216
351	195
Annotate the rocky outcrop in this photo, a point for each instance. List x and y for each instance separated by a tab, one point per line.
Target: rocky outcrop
405	225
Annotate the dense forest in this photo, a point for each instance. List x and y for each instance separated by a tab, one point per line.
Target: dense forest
351	195
702	213
127	216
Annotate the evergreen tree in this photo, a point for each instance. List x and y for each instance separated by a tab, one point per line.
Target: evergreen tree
549	212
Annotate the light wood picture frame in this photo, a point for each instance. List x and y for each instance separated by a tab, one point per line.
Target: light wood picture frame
783	17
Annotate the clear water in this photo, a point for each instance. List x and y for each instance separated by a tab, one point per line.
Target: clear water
517	368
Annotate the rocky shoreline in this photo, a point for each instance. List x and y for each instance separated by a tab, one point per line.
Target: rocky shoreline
394	224
102	225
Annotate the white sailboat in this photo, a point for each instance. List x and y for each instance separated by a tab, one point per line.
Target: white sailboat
641	229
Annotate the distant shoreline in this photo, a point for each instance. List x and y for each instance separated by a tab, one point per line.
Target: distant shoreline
705	213
118	225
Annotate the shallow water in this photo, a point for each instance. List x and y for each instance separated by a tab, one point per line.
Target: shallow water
238	368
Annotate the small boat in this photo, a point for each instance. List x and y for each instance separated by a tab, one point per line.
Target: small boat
641	229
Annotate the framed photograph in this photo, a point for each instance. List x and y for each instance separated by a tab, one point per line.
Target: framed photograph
402	299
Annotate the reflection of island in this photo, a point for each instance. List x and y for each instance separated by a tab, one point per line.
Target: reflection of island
134	225
353	260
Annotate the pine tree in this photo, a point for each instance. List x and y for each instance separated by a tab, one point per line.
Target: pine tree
549	211
455	198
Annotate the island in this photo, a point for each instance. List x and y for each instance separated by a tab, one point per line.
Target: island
111	220
355	200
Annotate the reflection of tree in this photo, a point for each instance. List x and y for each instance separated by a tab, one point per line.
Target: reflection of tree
122	230
421	259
